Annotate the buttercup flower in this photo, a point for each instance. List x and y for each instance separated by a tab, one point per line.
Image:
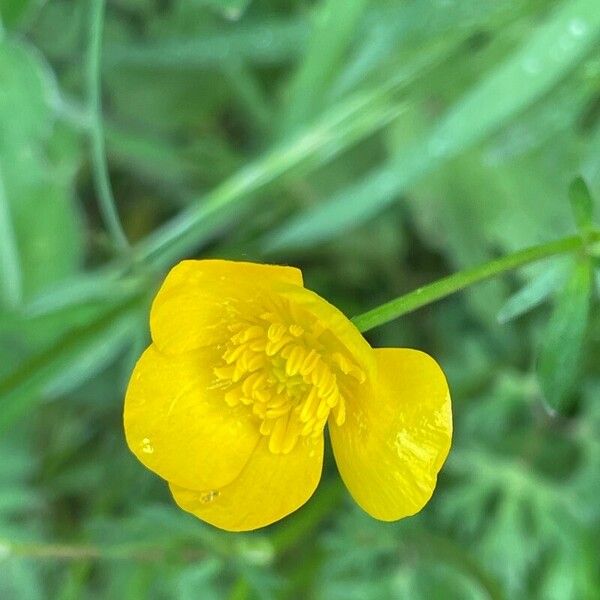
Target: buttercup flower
246	367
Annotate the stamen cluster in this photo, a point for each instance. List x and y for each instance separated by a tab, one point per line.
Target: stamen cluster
288	375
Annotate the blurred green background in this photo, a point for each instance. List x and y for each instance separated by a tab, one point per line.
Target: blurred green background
377	145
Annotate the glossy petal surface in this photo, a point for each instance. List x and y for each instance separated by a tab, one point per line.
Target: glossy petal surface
269	487
334	321
246	367
395	440
180	427
199	298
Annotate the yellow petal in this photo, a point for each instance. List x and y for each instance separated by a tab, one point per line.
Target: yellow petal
394	442
198	298
270	487
333	320
180	427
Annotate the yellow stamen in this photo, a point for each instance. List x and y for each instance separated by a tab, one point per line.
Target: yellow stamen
287	377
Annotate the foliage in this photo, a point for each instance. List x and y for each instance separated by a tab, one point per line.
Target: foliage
379	146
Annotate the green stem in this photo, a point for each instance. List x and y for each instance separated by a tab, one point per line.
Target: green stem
99	164
459	281
77	552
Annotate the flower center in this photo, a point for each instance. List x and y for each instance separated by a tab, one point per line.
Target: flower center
289	375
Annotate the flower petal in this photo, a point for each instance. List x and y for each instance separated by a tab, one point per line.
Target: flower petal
195	302
333	320
394	443
270	487
180	427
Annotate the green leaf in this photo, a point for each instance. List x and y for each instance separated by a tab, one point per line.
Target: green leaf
405	27
41	212
581	204
547	56
532	294
286	39
339	128
559	364
68	361
14	12
38	165
336	24
27	91
10	266
230	9
315	225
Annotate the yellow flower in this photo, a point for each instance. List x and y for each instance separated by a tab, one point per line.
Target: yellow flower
246	367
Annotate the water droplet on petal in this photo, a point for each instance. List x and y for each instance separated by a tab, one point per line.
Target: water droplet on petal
209	496
147	446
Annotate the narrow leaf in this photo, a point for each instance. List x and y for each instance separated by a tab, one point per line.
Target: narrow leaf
338	129
532	294
521	80
10	266
230	9
286	39
59	367
581	204
336	25
560	358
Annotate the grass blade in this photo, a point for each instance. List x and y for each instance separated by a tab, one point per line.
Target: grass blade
101	176
553	51
56	367
582	204
10	268
339	128
532	294
393	30
271	42
336	24
559	364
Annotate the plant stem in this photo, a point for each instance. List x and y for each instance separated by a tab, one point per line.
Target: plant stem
76	552
459	281
100	167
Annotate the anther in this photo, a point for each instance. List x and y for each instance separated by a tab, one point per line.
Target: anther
276	331
294	361
296	330
289	386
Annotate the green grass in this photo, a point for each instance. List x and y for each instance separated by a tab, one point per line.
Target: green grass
398	152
